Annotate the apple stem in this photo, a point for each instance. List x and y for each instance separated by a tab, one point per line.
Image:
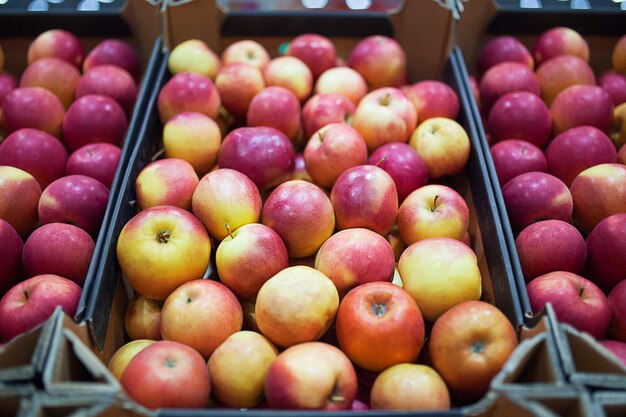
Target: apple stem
228	230
385	100
381	160
581	290
435	203
321	136
158	154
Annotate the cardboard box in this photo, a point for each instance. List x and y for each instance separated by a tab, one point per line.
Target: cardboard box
609	403
16	400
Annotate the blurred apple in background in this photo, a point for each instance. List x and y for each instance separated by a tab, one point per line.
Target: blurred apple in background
11	248
617	304
168	181
8	83
122	356
503	49
193	55
381	60
548	246
238	84
514	157
580	105
618	57
96	160
275	107
40	154
560	41
343	81
112	81
324	109
575	300
186	92
503	78
403	164
33	107
618	131
616	348
615	84
432	98
142	319
114	52
535	196
606	245
560	72
316	51
247	52
291	73
19	198
56	43
54	74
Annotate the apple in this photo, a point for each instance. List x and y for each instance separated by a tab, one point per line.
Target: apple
202	314
54	74
114	52
535	196
296	305
168	181
94	118
247	52
514	157
615	84
606	246
503	49
365	196
575	300
618	56
58	249
560	41
598	192
226	198
299	170
33	107
616	298
8	83
433	98
560	72
193	55
379	325
443	145
36	152
177	252
577	149
142	319
96	160
520	115
167	374
616	348
74	199
238	84
112	81
312	375
381	60
194	137
398	245
19	198
503	78
580	105
122	356
31	302
409	386
262	153
11	248
291	73
302	214
618	131
324	109
468	345
384	115
332	150
276	107
56	43
238	369
548	246
188	91
440	273
343	81
356	256
316	51
248	257
403	164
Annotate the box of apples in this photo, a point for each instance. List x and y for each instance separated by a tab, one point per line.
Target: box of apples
552	108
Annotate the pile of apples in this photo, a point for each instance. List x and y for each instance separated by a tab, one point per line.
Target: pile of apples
557	136
62	128
301	185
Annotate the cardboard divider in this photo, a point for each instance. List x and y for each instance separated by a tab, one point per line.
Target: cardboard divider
609	403
68	405
16	400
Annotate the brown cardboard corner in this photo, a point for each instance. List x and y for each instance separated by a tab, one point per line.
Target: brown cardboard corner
89	405
142	16
609	403
191	19
474	20
16	399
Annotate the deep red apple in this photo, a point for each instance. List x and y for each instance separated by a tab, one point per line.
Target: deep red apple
581	105
504	78
503	49
615	84
617	303
96	160
521	115
112	81
606	246
114	52
514	157
11	249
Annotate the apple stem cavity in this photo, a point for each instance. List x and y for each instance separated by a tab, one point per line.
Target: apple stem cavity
385	100
26	294
335	396
157	154
378	309
228	230
581	290
321	136
163	236
381	160
478	347
170	363
434	203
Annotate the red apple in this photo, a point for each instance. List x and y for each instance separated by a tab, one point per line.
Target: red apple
238	84
114	52
514	157
433	98
247	52
580	105
616	348
560	41
276	107
343	81
168	181
324	109
11	248
503	78
615	84
142	319
33	107
380	60
503	49
186	92
56	43
291	73
96	160
19	198
316	51
617	304
8	83
54	74
606	246
560	72
112	81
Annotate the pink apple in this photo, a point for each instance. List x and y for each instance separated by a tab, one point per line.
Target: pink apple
615	84
365	196
19	198
521	115
247	52
617	303
433	98
324	109
316	51
560	72
606	245
188	91
238	84
503	49
94	118
560	41
36	152
291	73
31	302
74	199
54	74
576	301
616	348
112	81
114	52
343	81
96	160
535	196
548	246
577	149
580	105
11	249
403	164
514	157
380	60
33	107
507	77
275	107
56	43
8	83
166	182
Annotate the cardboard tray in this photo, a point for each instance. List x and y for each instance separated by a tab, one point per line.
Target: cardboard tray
16	400
609	403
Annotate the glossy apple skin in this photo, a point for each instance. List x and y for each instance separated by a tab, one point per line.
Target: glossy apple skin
8	83
188	91
291	73
466	330
560	41
560	72
96	160
606	245
581	105
312	375
617	348
36	152
403	164
31	302
617	304
167	374
514	157
380	60
122	356
432	98
142	319
238	84
615	84
575	300
276	107
168	181
112	81
194	55
19	198
114	52
548	246
324	109
247	52
33	107
316	51
535	196
379	325
56	43
521	115
503	78
618	57
365	196
54	74
58	249
577	149
503	49
356	256
302	214
11	247
343	81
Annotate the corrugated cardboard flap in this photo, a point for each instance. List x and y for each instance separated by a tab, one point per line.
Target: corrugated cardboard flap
89	405
16	400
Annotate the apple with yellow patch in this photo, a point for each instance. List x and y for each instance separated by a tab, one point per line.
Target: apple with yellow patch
143	318
343	81
291	73
122	356
19	199
247	52
166	182
193	55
